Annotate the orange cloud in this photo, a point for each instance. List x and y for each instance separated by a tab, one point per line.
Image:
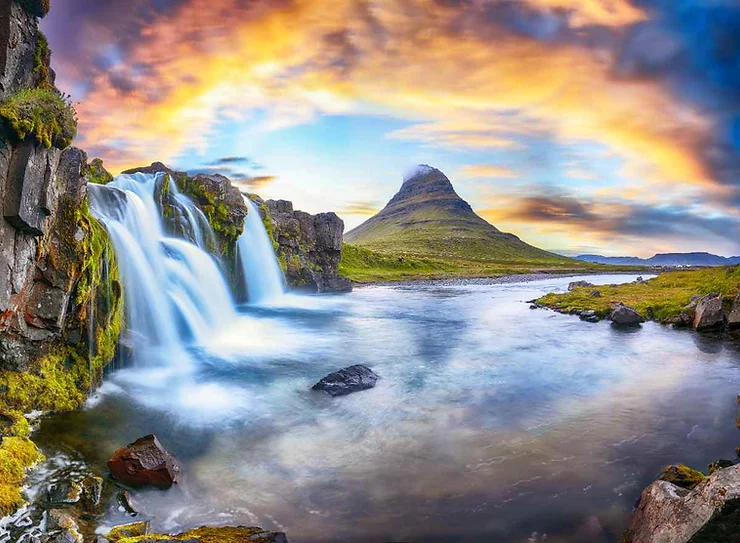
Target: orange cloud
460	78
489	171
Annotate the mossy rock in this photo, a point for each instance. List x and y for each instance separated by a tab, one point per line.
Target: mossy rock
682	476
718	465
43	75
42	114
37	8
238	534
96	173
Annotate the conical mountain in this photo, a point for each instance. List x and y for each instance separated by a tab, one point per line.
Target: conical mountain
428	218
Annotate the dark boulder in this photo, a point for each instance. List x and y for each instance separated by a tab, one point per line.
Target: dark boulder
733	318
709	313
347	380
579	284
144	462
590	316
624	315
126	503
718	465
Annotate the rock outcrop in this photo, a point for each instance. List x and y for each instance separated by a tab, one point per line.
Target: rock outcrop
624	315
709	313
733	317
348	380
670	514
309	247
145	462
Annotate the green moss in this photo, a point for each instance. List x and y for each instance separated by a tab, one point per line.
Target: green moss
682	476
96	173
42	62
41	113
17	454
204	534
37	8
718	465
666	295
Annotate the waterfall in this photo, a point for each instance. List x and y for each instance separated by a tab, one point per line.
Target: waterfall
175	292
259	264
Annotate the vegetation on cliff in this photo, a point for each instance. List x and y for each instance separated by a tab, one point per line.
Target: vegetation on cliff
42	113
36	8
42	62
665	297
96	173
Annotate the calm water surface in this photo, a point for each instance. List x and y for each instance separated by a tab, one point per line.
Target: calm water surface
491	421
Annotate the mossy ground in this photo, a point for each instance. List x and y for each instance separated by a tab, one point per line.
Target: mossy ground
208	535
41	113
666	295
17	453
363	265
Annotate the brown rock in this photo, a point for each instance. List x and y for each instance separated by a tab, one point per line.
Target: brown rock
144	462
709	313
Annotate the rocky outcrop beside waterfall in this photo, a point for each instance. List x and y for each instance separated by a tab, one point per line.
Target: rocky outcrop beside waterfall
61	307
220	201
309	247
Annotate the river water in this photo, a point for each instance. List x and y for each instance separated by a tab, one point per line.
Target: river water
491	422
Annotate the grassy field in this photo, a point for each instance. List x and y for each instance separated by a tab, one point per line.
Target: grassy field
666	295
362	265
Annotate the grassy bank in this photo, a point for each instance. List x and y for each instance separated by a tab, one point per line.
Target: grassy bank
363	265
666	295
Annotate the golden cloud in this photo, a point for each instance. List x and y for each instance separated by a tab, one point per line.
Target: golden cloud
489	171
461	80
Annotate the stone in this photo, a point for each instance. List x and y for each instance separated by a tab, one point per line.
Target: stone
682	476
64	492
309	247
596	294
144	462
348	380
92	491
670	514
126	503
206	534
624	315
579	284
589	316
58	519
709	313
718	465
133	529
17	49
733	318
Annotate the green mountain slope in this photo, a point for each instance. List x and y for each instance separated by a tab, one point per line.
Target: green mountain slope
426	218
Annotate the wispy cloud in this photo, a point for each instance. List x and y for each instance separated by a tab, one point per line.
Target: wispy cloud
360	207
490	171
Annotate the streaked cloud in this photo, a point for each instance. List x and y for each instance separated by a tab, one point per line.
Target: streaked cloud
489	171
361	207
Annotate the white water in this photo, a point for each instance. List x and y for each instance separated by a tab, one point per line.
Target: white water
175	292
262	272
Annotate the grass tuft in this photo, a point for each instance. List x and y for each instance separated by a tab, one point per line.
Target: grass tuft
42	113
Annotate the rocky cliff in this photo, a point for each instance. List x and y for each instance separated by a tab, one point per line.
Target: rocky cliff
61	307
309	247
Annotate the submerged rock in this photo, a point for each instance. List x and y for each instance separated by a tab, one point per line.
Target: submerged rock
682	476
64	492
144	462
671	514
709	313
624	315
126	503
347	381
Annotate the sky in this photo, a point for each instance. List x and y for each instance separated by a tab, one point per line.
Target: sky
583	126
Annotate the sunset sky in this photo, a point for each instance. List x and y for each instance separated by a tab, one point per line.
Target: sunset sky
609	126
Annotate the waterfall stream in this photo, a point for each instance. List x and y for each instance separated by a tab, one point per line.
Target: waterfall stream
176	292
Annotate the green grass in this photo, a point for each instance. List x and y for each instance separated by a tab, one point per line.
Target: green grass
40	113
363	265
666	295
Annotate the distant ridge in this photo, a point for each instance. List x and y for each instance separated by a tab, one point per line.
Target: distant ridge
426	217
664	259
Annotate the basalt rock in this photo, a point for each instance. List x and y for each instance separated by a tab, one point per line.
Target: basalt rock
347	380
624	315
309	247
670	514
145	462
709	313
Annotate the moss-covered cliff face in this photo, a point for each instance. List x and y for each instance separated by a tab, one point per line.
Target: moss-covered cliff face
61	305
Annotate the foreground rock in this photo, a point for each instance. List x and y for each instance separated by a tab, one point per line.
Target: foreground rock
682	476
347	380
309	247
579	284
624	315
238	534
709	313
670	514
144	462
733	318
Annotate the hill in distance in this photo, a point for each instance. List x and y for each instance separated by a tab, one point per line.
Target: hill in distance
664	259
427	218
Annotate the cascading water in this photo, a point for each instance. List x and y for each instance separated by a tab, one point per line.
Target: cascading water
175	291
262	273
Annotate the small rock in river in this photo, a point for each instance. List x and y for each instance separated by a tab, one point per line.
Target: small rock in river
624	315
144	462
347	381
64	492
125	501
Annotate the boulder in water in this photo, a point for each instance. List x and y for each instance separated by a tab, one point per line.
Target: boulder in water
144	462
624	315
670	514
709	313
347	380
733	319
578	284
